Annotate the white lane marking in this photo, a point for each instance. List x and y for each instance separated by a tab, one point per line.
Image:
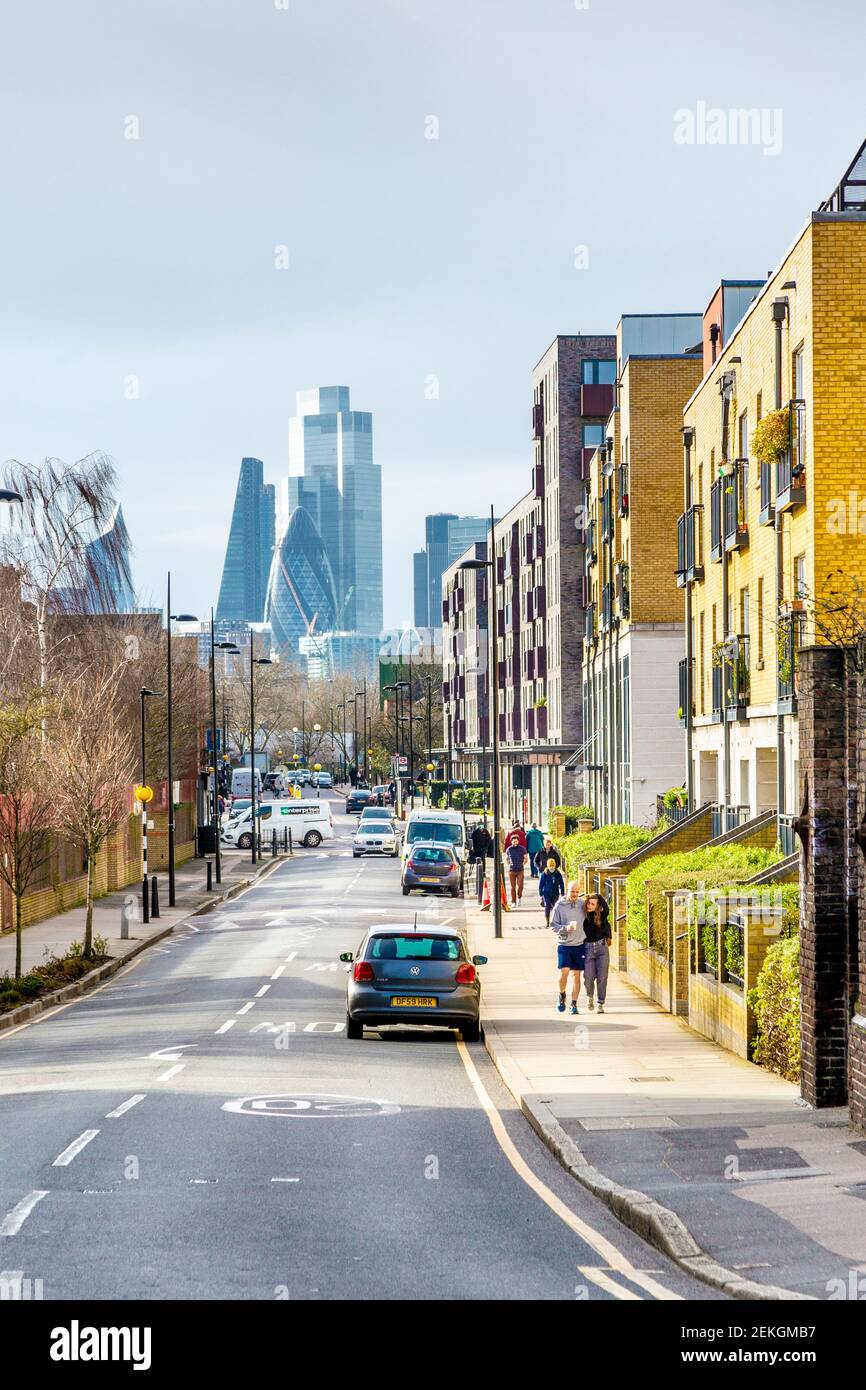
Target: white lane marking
325	1025
190	927
291	956
122	1109
172	1071
170	1054
613	1258
246	1008
278	972
598	1276
354	881
14	1220
264	989
285	1179
63	1160
224	1027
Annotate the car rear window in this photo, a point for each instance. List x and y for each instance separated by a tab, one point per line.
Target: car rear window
443	831
415	947
428	855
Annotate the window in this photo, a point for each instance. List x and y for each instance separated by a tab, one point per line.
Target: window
702	662
744	612
759	406
798	375
800	576
593	436
744	436
700	497
415	947
599	371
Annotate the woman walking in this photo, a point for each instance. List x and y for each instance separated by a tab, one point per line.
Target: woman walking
551	886
596	926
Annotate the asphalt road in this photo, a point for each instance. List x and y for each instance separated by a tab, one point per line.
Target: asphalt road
138	1159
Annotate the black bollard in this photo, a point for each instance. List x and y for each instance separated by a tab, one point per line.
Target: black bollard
209	875
273	844
154	897
291	851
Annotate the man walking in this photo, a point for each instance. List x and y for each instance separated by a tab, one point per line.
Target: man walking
567	921
534	843
516	859
548	851
482	842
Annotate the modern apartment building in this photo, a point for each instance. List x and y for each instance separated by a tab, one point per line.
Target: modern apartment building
770	537
250	547
333	476
632	739
538	558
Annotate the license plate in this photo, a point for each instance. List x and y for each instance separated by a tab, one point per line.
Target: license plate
411	1001
428	880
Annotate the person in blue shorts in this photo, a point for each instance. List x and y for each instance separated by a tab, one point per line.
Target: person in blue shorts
567	921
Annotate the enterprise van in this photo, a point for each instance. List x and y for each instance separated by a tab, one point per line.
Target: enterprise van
438	828
309	821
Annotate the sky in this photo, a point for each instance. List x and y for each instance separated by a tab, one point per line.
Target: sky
427	171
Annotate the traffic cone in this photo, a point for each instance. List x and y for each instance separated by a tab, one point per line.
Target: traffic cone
504	894
485	901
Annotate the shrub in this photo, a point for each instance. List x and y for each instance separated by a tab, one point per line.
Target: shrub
716	867
598	846
572	814
776	1001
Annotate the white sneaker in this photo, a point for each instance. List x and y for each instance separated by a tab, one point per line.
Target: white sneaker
590	1004
600	1008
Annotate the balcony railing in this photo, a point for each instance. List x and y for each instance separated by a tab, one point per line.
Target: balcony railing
540	602
791	467
737	676
596	399
538	479
623	601
725	818
606	607
541	721
607	515
686	697
591	552
718	691
590	629
672	814
538	422
690	554
716	519
787	838
790	639
735	498
622	489
541	663
539	541
767	515
584	589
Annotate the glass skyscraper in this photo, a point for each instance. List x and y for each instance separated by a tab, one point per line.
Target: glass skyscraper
333	477
446	537
250	547
101	581
300	599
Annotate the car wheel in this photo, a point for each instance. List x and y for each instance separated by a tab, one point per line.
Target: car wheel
455	892
470	1032
406	891
312	839
395	854
354	1029
245	841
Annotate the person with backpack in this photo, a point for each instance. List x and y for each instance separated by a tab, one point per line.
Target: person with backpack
548	851
551	887
534	843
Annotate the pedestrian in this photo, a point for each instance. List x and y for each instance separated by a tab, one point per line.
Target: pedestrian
517	829
567	921
516	857
598	938
551	887
548	851
534	843
482	841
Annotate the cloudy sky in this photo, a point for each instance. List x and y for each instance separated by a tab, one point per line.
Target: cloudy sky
145	306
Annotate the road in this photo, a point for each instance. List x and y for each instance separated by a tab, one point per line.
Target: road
137	1163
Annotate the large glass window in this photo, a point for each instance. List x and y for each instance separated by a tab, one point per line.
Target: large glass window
593	436
599	371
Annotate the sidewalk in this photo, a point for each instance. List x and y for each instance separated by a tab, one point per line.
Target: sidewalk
771	1190
54	935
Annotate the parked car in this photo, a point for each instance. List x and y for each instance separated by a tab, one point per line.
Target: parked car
382	795
310	823
432	866
358	798
377	833
403	975
242	784
323	779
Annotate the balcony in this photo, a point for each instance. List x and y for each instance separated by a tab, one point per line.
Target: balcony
690	551
591	551
767	514
538	479
584	590
539	541
514	673
500	622
529	547
736	676
516	725
501	667
538	422
718	690
530	664
791	467
541	721
735	500
540	602
686	698
790	639
590	633
606	617
503	727
716	519
596	400
622	489
541	663
623	598
607	515
585	465
530	723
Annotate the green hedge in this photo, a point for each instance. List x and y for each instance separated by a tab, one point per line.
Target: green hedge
572	814
717	867
776	1001
597	846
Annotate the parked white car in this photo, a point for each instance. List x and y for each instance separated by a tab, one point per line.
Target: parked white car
376	835
309	821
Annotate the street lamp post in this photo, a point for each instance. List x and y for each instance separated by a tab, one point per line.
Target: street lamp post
145	898
177	618
254	661
345	758
353	703
215	806
489	565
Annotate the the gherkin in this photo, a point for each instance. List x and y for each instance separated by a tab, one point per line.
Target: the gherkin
300	599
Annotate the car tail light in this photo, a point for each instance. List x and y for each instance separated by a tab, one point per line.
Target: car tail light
465	974
363	972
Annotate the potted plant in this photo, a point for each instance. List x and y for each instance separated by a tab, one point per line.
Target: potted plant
771	437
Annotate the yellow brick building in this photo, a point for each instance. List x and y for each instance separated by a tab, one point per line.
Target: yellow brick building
633	747
764	533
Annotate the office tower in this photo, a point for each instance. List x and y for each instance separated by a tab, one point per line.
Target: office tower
250	547
333	477
300	599
446	537
421	603
102	582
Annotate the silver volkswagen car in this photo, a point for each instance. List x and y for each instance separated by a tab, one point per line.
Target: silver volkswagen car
413	974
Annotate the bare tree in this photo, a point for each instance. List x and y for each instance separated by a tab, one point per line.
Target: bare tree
92	754
26	800
64	508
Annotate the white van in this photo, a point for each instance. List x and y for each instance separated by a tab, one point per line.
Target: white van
436	827
309	821
241	784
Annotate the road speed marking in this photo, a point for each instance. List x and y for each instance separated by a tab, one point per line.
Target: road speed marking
312	1105
612	1257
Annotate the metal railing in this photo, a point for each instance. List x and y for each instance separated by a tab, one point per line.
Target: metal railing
683	687
716	519
790	639
735	505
